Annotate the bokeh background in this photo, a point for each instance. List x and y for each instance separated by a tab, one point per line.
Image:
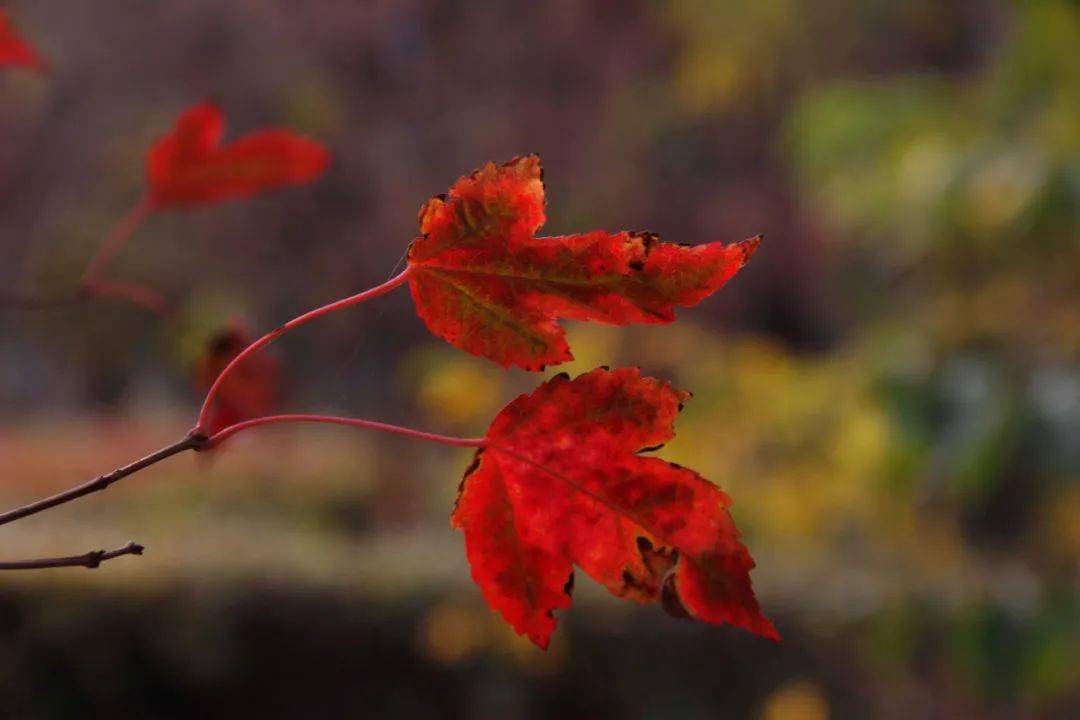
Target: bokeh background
890	391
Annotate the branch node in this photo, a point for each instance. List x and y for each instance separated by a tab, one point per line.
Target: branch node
197	439
104	481
91	560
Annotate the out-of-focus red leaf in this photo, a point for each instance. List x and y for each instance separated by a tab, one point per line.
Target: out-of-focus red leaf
190	165
14	51
251	388
483	281
561	482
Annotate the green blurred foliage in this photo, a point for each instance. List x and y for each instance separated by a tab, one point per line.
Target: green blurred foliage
962	191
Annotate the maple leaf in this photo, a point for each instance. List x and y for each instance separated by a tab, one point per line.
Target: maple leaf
14	51
190	165
560	482
250	390
483	281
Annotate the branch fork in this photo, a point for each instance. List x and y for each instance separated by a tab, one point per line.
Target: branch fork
199	438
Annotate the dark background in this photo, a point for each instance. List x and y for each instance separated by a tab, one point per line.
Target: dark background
890	391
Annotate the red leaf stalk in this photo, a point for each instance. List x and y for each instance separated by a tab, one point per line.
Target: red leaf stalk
337	420
115	241
400	279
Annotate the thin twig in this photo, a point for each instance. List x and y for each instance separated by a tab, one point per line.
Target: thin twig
16	299
191	442
139	295
90	560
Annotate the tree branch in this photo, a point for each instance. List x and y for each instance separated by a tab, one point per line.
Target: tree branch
15	299
90	560
191	442
138	295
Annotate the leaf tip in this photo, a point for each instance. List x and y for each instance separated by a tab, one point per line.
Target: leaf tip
748	247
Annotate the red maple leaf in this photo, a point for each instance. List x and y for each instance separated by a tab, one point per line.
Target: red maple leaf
190	165
250	390
483	281
14	51
560	482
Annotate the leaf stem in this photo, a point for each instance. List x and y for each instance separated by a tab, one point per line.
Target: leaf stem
90	560
134	293
93	283
296	322
115	240
337	420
